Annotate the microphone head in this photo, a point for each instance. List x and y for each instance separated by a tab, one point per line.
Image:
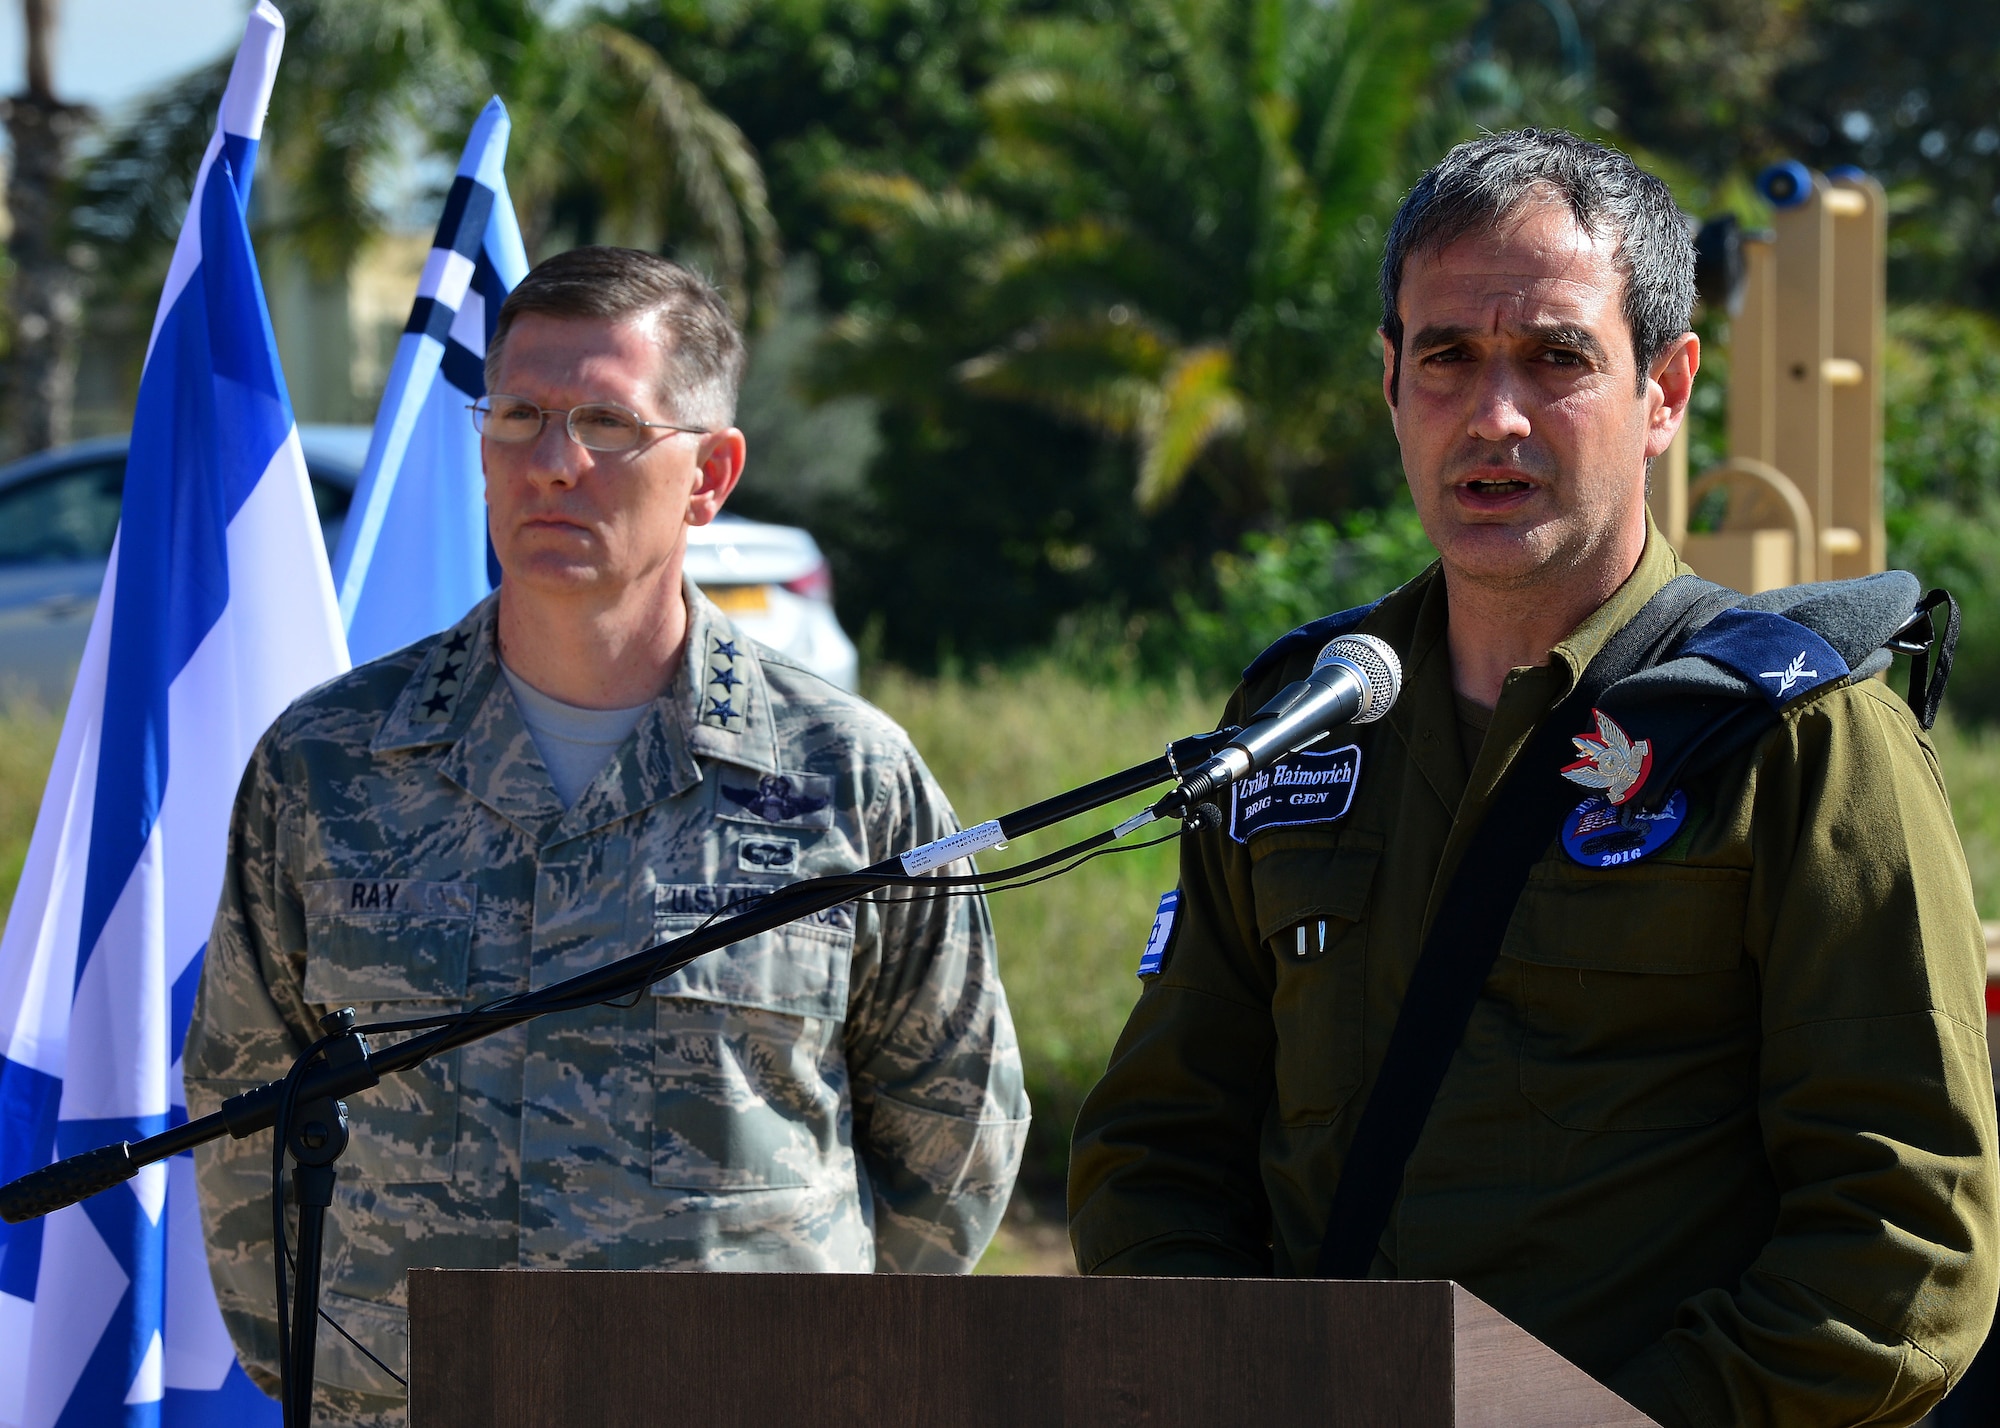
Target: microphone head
1381	672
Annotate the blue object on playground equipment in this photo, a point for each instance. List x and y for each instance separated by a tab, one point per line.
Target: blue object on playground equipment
1786	184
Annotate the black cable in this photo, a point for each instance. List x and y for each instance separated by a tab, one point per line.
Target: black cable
961	885
281	1134
1053	865
291	1260
1026	882
364	1349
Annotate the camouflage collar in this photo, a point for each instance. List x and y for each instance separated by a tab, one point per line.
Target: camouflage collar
449	685
719	707
725	701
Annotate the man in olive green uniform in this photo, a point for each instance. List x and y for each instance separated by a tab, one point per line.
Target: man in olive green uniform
591	761
1720	1128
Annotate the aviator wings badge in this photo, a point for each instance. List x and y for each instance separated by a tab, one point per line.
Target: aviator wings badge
1610	760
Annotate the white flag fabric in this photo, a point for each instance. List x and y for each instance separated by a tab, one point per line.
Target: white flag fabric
217	611
413	555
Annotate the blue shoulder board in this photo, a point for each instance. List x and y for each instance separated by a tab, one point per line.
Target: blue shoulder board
1780	658
1315	634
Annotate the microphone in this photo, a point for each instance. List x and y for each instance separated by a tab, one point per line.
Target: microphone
1355	680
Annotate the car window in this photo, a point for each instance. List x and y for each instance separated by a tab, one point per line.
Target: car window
70	514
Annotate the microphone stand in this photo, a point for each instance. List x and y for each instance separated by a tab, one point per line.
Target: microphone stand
307	1108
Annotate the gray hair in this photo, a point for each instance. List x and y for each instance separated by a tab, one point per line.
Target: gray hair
701	344
1484	180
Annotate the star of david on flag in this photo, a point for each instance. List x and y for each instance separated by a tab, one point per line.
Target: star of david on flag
217	611
413	555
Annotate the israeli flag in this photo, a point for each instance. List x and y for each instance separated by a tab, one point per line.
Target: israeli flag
217	611
413	554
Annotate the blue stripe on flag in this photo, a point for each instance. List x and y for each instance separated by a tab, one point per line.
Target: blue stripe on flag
467	213
492	290
431	318
466	210
211	400
141	1249
415	553
240	154
99	1396
28	1103
180	1005
464	370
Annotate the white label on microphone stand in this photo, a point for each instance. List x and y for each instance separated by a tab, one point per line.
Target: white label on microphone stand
962	844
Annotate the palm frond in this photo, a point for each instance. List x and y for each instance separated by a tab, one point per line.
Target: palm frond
706	159
1196	403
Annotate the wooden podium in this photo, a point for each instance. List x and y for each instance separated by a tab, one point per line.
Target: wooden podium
508	1349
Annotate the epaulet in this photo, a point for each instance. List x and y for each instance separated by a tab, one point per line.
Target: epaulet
1786	644
1315	634
1724	682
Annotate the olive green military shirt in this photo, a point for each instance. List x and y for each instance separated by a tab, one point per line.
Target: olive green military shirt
1721	1129
843	1093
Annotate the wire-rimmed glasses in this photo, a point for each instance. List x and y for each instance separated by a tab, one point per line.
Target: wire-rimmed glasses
597	426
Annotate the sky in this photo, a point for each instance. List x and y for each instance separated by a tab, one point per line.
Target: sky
111	51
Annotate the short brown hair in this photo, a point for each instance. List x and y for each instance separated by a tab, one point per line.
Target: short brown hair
703	346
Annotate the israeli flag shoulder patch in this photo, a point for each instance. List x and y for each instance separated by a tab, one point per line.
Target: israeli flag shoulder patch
1155	955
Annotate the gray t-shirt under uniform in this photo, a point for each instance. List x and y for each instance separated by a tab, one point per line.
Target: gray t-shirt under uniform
575	744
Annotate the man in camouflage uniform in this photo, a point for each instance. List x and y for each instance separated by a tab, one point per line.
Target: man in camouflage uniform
433	830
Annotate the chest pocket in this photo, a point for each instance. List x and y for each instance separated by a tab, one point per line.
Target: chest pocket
1312	903
748	1080
395	947
1638	1006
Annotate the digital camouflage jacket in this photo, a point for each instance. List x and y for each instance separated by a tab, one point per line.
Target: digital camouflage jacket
841	1094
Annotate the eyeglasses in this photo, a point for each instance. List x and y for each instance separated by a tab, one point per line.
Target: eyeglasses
599	426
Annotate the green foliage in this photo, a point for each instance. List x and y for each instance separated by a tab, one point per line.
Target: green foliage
1970	758
1941	460
1941	400
820	85
610	143
1958	548
1168	237
1277	582
1068	947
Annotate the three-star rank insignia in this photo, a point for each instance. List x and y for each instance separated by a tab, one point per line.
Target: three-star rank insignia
443	681
723	697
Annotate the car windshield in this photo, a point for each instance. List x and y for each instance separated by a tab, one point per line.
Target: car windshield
66	515
71	514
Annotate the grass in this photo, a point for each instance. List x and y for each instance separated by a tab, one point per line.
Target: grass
27	745
1069	948
1970	757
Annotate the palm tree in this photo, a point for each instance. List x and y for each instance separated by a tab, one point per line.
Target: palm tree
1170	236
609	142
48	292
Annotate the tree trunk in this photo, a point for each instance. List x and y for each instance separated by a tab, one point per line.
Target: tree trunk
48	290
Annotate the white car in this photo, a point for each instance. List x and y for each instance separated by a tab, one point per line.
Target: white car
59	512
775	584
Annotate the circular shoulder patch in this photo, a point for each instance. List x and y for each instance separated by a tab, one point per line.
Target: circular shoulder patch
1597	834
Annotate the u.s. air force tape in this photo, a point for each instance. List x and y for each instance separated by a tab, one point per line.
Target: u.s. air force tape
1299	788
962	844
